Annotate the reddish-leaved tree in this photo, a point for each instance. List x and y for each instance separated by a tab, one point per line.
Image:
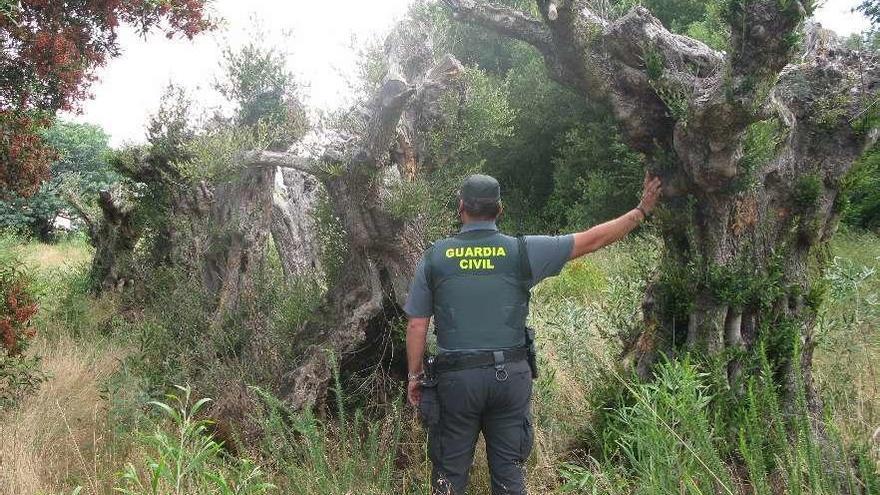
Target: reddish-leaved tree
49	54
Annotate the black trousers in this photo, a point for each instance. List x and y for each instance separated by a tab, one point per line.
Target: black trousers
467	402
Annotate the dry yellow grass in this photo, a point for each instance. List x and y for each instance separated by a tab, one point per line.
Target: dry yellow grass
47	256
56	439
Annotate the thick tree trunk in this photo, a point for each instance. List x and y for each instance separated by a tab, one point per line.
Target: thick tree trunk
752	146
239	221
114	237
359	172
221	233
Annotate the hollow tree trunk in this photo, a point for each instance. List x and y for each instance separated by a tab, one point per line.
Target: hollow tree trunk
752	145
294	228
359	172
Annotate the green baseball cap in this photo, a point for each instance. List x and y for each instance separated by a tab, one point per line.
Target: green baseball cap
480	188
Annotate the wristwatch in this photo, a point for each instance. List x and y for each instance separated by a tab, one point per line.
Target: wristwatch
644	213
412	377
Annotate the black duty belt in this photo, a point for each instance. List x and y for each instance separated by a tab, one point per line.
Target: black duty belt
463	361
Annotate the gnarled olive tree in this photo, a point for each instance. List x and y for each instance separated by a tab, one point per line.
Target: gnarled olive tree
752	144
359	169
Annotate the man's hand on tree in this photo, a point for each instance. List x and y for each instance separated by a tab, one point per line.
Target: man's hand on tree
650	193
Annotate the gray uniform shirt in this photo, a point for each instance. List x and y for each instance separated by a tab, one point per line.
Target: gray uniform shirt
547	256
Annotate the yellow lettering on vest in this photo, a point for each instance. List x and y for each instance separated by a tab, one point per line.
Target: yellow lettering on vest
476	264
475	252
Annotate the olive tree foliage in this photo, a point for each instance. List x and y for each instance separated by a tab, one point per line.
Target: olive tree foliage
752	144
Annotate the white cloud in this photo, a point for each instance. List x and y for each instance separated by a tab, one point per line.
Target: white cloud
319	49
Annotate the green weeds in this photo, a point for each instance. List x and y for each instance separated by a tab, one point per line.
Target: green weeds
185	459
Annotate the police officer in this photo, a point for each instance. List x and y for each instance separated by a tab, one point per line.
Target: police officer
476	286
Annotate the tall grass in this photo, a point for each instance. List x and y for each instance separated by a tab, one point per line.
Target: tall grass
664	437
350	454
59	437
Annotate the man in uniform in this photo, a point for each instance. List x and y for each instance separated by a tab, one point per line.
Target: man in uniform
476	286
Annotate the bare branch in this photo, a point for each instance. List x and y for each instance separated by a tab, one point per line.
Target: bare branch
446	71
388	105
282	160
74	201
504	20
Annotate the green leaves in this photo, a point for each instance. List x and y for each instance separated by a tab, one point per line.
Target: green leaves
186	460
80	169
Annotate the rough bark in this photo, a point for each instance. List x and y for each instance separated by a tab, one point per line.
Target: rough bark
220	233
730	219
293	224
359	170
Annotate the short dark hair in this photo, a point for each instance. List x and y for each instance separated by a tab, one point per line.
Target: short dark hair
482	210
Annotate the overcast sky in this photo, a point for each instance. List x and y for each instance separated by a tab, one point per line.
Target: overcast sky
320	39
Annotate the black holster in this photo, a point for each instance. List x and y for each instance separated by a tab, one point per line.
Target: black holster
532	355
429	405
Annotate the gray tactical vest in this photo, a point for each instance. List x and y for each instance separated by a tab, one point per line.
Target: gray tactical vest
480	285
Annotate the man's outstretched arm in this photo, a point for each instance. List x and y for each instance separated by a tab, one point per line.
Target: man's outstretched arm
601	235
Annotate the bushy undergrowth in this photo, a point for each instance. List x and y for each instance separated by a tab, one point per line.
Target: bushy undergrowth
678	434
183	458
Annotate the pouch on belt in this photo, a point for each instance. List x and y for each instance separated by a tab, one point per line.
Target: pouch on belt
532	352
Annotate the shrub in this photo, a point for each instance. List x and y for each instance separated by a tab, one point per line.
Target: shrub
861	192
18	373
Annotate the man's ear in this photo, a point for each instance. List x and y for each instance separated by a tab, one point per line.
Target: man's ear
500	210
460	206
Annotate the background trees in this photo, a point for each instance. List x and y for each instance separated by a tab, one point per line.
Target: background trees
79	170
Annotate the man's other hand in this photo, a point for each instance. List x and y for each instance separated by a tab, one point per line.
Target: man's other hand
414	392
